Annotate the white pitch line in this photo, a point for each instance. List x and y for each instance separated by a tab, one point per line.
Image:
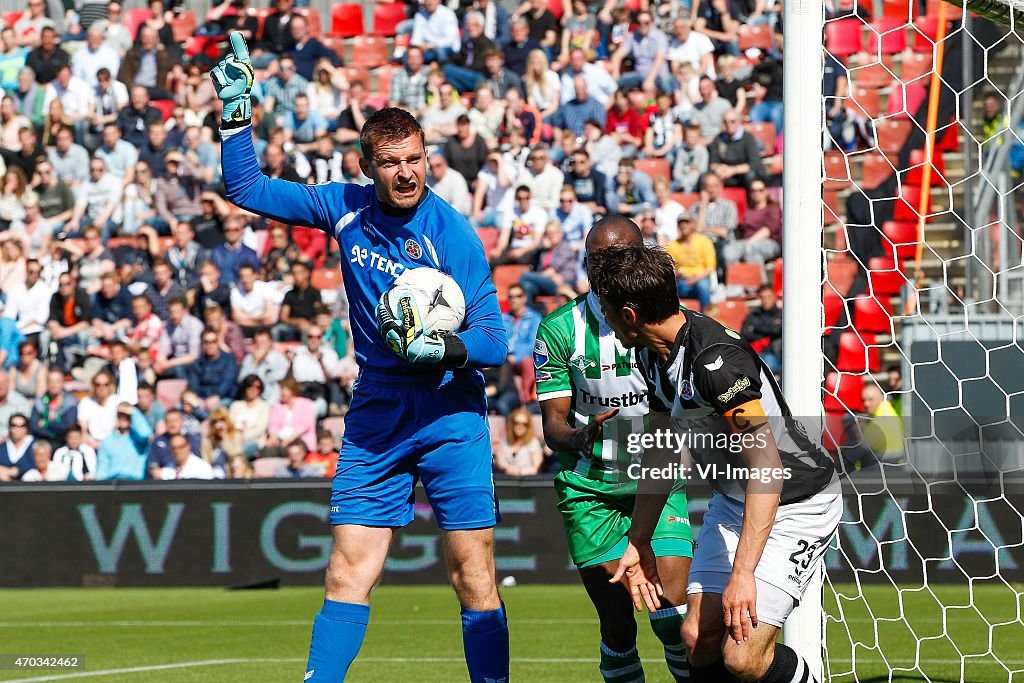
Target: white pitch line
273	622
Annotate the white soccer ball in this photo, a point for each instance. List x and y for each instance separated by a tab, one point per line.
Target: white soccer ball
438	300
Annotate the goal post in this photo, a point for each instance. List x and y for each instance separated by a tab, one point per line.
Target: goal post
803	318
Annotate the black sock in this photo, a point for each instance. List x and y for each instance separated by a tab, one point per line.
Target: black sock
712	673
787	667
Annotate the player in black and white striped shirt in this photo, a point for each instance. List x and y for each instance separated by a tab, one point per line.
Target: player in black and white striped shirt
762	538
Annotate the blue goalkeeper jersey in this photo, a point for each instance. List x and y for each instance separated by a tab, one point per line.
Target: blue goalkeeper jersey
376	249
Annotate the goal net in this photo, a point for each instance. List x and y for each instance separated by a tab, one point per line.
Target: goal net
923	294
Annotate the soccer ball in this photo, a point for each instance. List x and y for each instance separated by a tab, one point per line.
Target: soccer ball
427	301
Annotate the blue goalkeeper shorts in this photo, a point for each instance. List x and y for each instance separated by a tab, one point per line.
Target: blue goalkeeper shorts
403	429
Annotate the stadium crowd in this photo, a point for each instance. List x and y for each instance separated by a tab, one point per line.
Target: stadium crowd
152	330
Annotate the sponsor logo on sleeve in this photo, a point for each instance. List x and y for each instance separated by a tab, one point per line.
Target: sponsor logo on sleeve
730	393
543	376
540	354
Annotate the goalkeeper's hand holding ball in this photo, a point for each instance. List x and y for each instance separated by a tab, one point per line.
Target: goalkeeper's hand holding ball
233	78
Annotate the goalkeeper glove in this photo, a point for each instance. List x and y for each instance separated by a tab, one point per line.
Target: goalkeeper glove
233	78
406	336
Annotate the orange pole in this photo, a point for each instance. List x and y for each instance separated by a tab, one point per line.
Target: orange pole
929	146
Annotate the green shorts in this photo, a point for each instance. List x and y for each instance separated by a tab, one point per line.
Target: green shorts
597	516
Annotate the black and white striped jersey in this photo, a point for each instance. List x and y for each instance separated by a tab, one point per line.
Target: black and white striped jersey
712	371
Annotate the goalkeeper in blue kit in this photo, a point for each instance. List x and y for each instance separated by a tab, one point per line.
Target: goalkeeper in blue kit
418	413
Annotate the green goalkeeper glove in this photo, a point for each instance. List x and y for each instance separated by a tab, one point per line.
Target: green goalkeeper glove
233	78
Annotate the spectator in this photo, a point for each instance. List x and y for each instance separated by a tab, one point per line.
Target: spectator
544	179
94	262
157	21
350	169
54	413
590	185
719	20
519	453
691	161
98	411
222	442
251	414
180	340
487	115
111	309
185	255
556	266
292	417
440	116
731	88
93	56
694	257
666	212
144	336
522	231
230	338
281	90
735	154
409	83
12	59
519	120
297	452
497	77
762	329
298	305
281	255
308	50
500	389
115	33
29	305
465	152
12	199
160	450
148	64
76	459
124	371
716	216
98	200
710	111
252	303
664	130
521	323
436	31
449	185
152	409
579	32
327	161
70	161
767	80
277	39
600	85
231	256
327	92
186	464
759	235
164	288
32	229
68	322
76	97
625	124
56	199
325	458
119	156
213	374
136	119
46	59
155	151
465	68
574	113
633	190
542	23
519	47
691	47
648	222
11	403
574	217
303	126
647	46
44	469
317	368
16	451
178	194
491	198
277	163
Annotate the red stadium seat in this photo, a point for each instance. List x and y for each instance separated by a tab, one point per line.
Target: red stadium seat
183	25
833	436
387	16
326	279
685	199
839	273
888	36
312	14
916	65
369	51
948	138
833	304
261	18
134	18
655	168
384	75
905	100
738	195
347	20
915	174
164	106
356	73
690	304
11	18
843	37
765	134
750	276
875	168
866	101
837	172
732	313
872	314
908	206
777	278
926	30
872	75
488	237
556	8
884	277
858	353
892	133
335	44
953	10
898	9
506	276
843	392
759	37
900	239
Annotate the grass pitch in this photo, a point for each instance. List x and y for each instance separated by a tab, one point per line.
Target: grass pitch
212	635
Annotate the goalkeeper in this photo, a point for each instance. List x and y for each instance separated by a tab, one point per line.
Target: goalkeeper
418	413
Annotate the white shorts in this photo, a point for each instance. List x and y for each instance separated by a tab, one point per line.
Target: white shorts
795	547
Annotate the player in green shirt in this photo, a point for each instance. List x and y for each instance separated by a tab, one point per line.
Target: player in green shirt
592	397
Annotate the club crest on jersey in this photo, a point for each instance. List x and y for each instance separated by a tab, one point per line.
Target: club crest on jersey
413	248
582	363
686	390
540	353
